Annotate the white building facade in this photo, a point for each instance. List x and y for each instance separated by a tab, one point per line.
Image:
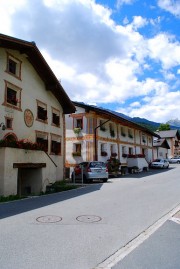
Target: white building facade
32	108
93	133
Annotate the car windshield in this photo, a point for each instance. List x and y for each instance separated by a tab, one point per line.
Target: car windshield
157	160
96	164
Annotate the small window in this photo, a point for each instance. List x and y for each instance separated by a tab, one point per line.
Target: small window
13	66
123	132
130	135
55	117
102	126
143	138
55	144
9	123
12	96
41	111
76	150
104	149
78	123
130	151
123	149
111	130
42	140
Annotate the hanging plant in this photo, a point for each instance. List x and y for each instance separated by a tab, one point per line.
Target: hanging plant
77	130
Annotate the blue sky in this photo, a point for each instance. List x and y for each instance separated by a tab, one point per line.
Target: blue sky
118	54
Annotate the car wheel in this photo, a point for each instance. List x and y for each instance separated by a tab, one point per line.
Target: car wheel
104	179
178	161
167	167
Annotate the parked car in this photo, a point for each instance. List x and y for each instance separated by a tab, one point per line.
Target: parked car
91	170
174	160
160	163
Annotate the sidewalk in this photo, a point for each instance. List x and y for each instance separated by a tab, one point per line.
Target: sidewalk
160	251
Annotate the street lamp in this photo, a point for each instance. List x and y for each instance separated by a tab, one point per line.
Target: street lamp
95	138
3	126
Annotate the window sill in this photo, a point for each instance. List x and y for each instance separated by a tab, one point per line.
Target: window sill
12	106
42	121
14	75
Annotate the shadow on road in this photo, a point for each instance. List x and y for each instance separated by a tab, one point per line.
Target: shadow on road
16	207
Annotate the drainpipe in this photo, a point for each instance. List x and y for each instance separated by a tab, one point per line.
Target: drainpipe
95	139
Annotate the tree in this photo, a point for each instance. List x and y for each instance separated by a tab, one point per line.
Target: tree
164	127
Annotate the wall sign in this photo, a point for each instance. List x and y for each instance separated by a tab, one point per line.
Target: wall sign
28	117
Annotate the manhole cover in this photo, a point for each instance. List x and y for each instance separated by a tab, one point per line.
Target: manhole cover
88	218
49	219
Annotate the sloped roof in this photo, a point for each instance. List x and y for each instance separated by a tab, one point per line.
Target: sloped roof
162	142
35	57
113	115
168	134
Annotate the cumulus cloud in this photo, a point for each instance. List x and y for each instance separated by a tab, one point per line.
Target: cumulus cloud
164	48
172	6
159	108
123	2
96	59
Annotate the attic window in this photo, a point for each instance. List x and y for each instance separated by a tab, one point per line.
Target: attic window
13	66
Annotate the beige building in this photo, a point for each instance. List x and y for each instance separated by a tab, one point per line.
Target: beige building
173	139
94	133
32	109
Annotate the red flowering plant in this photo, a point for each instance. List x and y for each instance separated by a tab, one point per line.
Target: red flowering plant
21	144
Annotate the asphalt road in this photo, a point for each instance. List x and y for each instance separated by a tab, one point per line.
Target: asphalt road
81	228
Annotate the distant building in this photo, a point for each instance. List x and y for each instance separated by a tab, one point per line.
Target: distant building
32	108
173	139
161	148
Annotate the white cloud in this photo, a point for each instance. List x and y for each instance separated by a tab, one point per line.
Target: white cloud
172	6
139	22
164	48
135	104
124	2
159	109
96	59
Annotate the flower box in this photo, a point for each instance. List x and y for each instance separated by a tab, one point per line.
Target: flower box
77	130
103	153
76	154
114	154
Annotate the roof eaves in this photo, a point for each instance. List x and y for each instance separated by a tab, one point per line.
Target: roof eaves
111	114
42	68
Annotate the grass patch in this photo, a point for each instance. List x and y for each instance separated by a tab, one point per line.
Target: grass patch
10	198
60	186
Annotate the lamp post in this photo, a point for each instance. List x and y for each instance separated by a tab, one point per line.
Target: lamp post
3	126
95	139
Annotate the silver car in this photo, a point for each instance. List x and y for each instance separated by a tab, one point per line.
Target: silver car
160	163
90	171
174	160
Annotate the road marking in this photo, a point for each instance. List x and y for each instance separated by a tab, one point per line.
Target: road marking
129	247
